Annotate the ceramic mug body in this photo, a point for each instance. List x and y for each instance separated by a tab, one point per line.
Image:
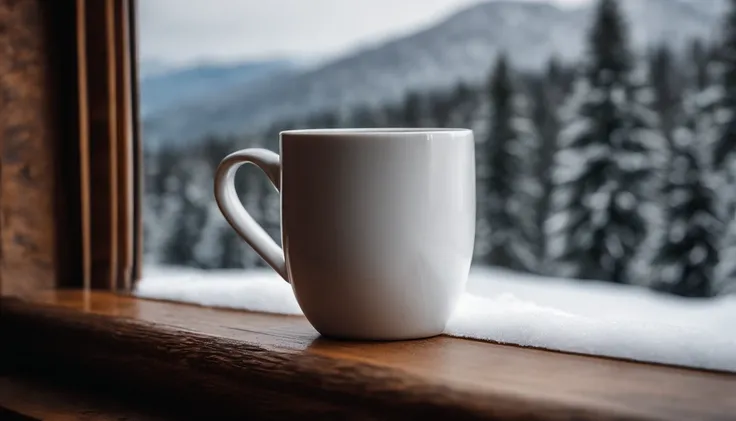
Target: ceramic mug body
378	227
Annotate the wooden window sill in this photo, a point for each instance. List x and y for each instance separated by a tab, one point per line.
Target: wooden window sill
217	362
31	399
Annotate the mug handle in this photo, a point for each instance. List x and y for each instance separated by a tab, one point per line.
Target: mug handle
234	212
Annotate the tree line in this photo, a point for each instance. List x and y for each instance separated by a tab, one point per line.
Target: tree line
619	168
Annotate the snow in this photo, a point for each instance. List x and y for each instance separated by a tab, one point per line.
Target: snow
255	290
585	317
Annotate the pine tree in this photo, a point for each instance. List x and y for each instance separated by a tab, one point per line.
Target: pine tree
365	116
703	97
724	148
698	57
604	166
160	198
703	100
549	92
500	166
233	255
463	106
726	271
392	114
220	246
688	252
512	190
554	73
190	217
411	113
724	151
440	105
323	120
667	103
665	84
454	107
160	167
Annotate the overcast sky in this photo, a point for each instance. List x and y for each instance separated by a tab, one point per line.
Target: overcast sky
177	31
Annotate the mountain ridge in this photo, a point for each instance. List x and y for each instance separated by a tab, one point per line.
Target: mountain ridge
198	82
460	47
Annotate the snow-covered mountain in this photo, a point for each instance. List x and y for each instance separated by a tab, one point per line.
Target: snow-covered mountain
463	46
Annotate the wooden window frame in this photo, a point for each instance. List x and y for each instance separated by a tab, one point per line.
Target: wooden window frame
110	153
72	213
69	267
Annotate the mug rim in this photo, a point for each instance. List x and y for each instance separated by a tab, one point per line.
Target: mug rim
375	131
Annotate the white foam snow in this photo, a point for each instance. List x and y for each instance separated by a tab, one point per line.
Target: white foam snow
558	314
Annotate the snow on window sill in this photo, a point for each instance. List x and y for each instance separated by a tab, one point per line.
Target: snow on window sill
557	314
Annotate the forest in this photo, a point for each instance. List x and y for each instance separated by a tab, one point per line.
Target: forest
619	168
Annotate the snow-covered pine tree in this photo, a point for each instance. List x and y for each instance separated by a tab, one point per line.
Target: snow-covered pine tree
548	94
440	108
323	120
159	168
189	218
233	253
667	103
157	203
365	116
453	107
724	151
698	58
702	98
464	104
512	189
702	102
220	246
412	112
726	270
666	85
688	253
605	163
500	167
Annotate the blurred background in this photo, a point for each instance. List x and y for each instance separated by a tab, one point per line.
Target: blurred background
605	129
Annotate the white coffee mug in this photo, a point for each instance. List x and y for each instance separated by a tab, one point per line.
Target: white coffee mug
378	225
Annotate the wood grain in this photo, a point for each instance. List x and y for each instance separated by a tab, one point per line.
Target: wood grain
27	142
276	366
